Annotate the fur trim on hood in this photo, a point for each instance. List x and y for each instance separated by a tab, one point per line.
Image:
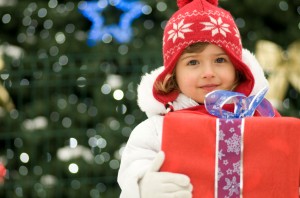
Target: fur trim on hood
151	106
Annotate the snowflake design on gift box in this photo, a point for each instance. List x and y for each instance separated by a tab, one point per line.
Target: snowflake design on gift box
220	154
236	167
216	26
220	174
232	186
231	130
229	171
234	144
179	30
221	135
229	120
225	162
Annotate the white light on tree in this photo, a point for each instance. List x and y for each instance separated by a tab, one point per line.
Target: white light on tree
118	94
73	143
73	168
24	157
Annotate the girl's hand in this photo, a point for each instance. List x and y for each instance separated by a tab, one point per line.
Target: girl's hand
157	184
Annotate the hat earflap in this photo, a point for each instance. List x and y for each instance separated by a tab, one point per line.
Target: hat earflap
181	3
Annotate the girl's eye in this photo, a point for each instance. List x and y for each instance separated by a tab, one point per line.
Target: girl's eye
193	62
220	60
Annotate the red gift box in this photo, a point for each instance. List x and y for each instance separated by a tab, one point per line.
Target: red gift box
270	153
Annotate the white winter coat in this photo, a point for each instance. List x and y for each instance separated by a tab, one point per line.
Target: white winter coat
145	140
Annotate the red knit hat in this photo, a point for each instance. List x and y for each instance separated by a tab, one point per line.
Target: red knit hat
201	21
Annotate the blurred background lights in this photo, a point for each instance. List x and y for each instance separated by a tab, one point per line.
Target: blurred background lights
63	60
26	21
6	18
114	81
48	180
106	89
48	24
81	108
73	99
121	31
73	142
283	5
114	124
73	168
37	170
19	191
70	28
161	6
18	142
121	109
123	49
42	12
67	153
81	81
148	24
52	3
53	51
4	75
75	184
24	157
93	141
62	103
118	94
24	82
114	164
101	143
107	38
37	123
146	9
60	37
66	122
240	22
23	170
9	154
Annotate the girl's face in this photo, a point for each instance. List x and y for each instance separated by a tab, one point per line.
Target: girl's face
198	73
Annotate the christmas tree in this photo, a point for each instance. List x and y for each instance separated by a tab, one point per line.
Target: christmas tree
68	85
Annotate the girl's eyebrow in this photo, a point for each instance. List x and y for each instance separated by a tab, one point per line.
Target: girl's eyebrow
187	55
191	55
221	54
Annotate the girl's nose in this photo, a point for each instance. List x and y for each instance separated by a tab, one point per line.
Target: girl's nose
208	71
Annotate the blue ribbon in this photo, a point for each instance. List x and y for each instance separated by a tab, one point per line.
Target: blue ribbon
243	106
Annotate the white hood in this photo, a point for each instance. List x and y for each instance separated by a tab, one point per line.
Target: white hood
151	106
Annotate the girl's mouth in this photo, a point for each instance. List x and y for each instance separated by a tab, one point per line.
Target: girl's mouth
209	87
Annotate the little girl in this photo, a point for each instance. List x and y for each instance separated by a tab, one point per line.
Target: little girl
202	52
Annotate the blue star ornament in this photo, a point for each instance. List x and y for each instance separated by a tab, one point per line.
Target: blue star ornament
122	31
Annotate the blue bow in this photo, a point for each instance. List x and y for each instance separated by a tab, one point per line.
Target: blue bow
243	106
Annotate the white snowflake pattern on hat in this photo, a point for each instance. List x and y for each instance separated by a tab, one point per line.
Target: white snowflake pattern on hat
216	26
179	30
237	34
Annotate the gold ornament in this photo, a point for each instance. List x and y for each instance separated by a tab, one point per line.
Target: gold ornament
5	100
282	67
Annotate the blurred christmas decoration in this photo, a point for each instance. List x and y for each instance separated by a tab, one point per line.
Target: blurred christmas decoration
122	32
8	2
2	173
282	68
5	100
